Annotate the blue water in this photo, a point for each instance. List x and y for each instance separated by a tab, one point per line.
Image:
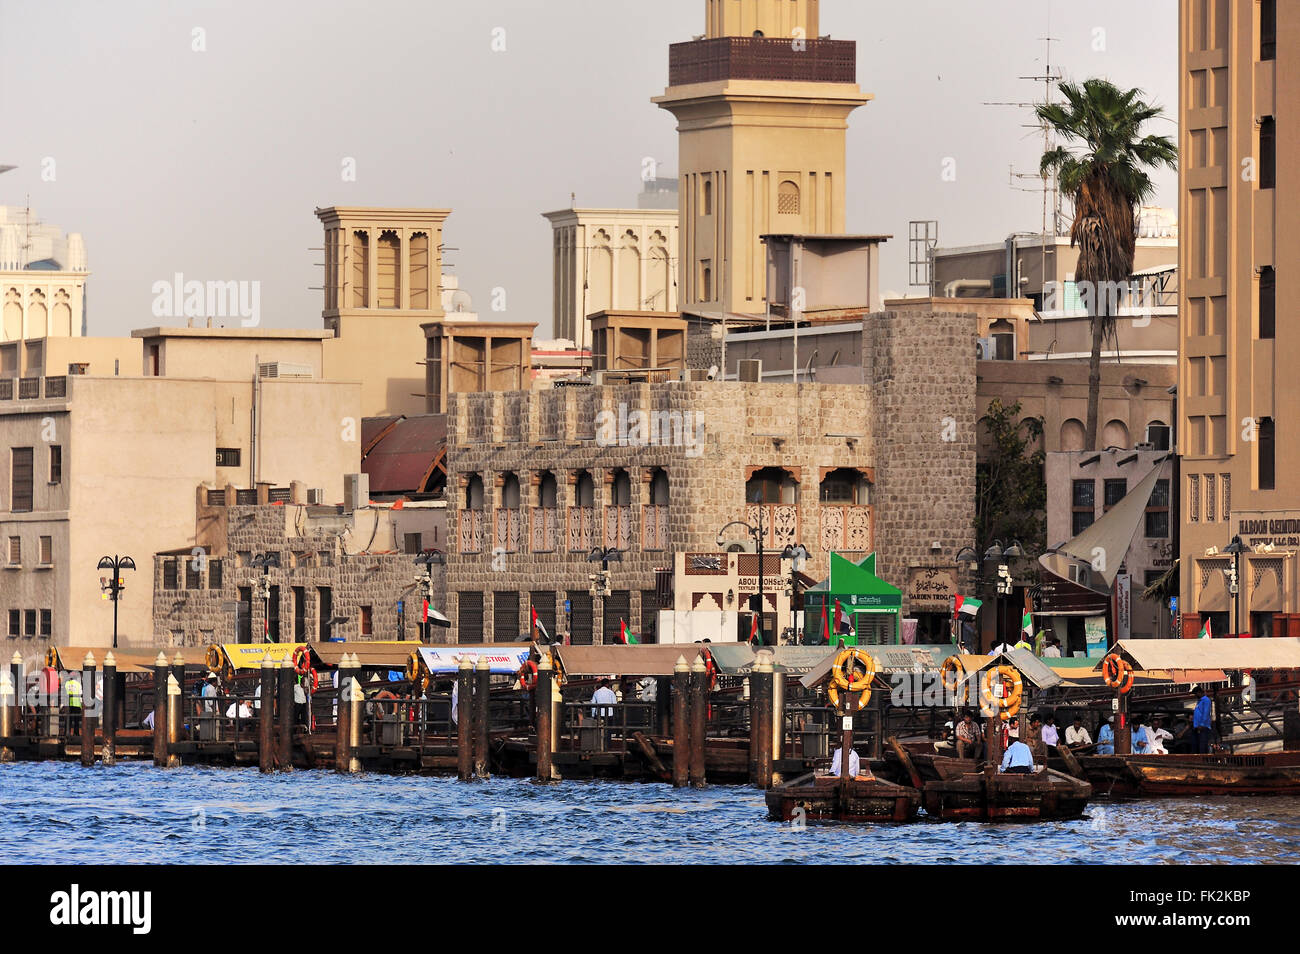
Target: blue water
134	813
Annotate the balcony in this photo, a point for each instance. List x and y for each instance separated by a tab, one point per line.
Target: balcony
847	527
471	531
778	522
508	530
545	529
762	58
654	527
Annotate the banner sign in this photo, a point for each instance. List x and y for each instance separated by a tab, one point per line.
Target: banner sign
446	659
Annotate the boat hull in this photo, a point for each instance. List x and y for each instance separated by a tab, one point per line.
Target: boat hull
1185	776
830	799
993	798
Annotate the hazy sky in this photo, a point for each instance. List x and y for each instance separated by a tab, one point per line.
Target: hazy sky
211	162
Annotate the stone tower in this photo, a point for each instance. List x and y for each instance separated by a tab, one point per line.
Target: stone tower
762	106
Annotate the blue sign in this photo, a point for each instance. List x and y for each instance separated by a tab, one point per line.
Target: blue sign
568	606
401	605
1173	604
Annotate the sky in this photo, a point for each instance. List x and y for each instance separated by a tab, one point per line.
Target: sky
199	137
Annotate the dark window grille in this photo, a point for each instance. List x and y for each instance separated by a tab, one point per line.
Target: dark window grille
469	621
29	388
56	386
227	456
1267	455
29	622
47	622
170	574
1267	29
214	574
1267	153
21	492
15	623
56	464
1267	302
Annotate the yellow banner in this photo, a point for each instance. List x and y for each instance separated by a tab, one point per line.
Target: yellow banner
250	655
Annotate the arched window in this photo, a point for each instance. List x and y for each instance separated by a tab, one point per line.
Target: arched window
547	491
585	492
708	195
419	270
510	499
787	198
659	488
390	275
1003	333
1115	434
758	33
360	269
621	489
845	486
474	493
1072	435
771	485
706	284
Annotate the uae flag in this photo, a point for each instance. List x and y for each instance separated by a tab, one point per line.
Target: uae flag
1205	631
967	606
754	638
1027	626
826	626
624	637
537	623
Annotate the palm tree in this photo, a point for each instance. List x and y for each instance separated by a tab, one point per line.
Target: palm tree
1108	182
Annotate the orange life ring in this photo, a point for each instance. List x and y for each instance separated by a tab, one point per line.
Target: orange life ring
952	674
1008	702
528	675
315	680
710	668
833	694
301	661
1117	673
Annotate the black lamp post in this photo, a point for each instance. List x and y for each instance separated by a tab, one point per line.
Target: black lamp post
427	560
797	554
266	561
757	534
1236	548
1002	586
115	584
600	581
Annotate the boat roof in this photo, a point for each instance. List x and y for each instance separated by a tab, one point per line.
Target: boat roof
128	660
1281	652
1030	666
386	655
738	659
890	659
654	660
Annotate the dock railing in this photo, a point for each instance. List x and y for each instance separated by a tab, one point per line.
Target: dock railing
603	727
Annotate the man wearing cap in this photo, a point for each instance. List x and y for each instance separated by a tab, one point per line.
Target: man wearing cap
1017	760
1053	649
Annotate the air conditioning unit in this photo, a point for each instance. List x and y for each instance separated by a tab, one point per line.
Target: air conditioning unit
356	492
284	369
740	546
316	496
1144	446
985	349
698	374
749	370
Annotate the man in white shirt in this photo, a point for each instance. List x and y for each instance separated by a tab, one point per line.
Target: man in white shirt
242	709
837	766
1053	649
1050	734
1159	735
603	694
1077	735
1000	648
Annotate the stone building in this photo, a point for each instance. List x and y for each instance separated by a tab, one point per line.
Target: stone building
537	480
342	572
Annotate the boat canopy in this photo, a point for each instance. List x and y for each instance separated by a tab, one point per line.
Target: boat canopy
127	660
1280	652
890	659
390	655
738	659
1030	666
654	660
250	655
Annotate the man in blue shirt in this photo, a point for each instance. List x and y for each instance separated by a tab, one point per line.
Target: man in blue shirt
1018	759
1201	723
1106	738
1141	738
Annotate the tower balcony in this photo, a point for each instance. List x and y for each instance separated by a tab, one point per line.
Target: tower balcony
762	58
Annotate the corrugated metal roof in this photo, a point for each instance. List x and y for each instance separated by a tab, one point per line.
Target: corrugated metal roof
378	655
737	659
129	660
374	428
403	457
1276	653
1030	666
656	660
892	659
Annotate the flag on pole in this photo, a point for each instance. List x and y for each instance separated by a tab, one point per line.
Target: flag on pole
826	626
424	611
624	637
537	623
753	631
1205	631
967	606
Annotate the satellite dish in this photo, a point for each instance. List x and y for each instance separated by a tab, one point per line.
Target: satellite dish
461	301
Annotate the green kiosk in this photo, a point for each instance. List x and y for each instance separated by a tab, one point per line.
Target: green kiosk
869	606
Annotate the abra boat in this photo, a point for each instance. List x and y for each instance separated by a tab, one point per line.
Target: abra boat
1185	776
827	798
1047	795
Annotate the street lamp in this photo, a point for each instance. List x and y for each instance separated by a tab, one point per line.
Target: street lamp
757	534
427	560
600	581
797	554
266	561
1236	548
116	584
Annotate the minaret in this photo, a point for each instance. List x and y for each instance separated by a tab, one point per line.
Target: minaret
762	108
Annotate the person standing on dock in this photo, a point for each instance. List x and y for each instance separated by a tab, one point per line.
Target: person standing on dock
1201	723
1106	737
73	689
1018	759
603	694
1051	736
837	764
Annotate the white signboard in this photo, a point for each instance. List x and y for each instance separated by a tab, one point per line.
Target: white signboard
440	659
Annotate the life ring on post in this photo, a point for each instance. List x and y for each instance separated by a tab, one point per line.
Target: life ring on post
301	661
710	669
213	658
315	680
413	666
1118	673
952	674
833	694
52	658
1008	703
528	675
844	670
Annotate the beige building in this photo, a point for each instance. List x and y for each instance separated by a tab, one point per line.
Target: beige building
762	105
97	464
611	259
1239	409
42	281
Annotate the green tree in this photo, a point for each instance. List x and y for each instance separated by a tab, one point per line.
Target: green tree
1107	181
1010	488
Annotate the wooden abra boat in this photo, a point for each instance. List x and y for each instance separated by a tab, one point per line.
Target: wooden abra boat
828	798
1185	776
989	796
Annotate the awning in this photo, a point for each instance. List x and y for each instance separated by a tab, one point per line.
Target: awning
737	659
385	655
127	660
1279	652
249	655
892	659
654	660
503	659
1028	665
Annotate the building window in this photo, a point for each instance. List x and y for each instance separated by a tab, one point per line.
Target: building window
56	464
1225	480
169	574
29	623
1211	498
15	551
708	195
47	623
787	198
367	621
1264	439
214	574
47	551
1084	503
325	611
1157	515
706	281
1267	153
1267	302
193	580
1267	29
1114	492
1194	498
771	485
21	492
15	623
227	456
413	542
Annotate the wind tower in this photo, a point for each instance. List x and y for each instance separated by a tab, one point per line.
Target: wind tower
762	104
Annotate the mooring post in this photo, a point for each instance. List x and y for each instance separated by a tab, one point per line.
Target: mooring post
699	706
266	718
482	685
160	675
343	724
1123	731
108	712
7	697
545	676
89	702
664	705
284	752
878	723
778	718
16	670
760	682
846	734
174	712
465	719
681	687
357	716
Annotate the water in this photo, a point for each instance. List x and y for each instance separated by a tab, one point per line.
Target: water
134	813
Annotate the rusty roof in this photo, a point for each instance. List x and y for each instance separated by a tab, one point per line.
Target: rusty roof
404	453
654	660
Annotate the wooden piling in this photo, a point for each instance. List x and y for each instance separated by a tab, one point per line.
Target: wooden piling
20	691
343	724
87	720
664	705
356	715
284	747
681	686
174	716
545	676
1123	730
482	686
160	675
266	719
778	718
760	682
108	712
8	697
465	720
846	735
699	710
